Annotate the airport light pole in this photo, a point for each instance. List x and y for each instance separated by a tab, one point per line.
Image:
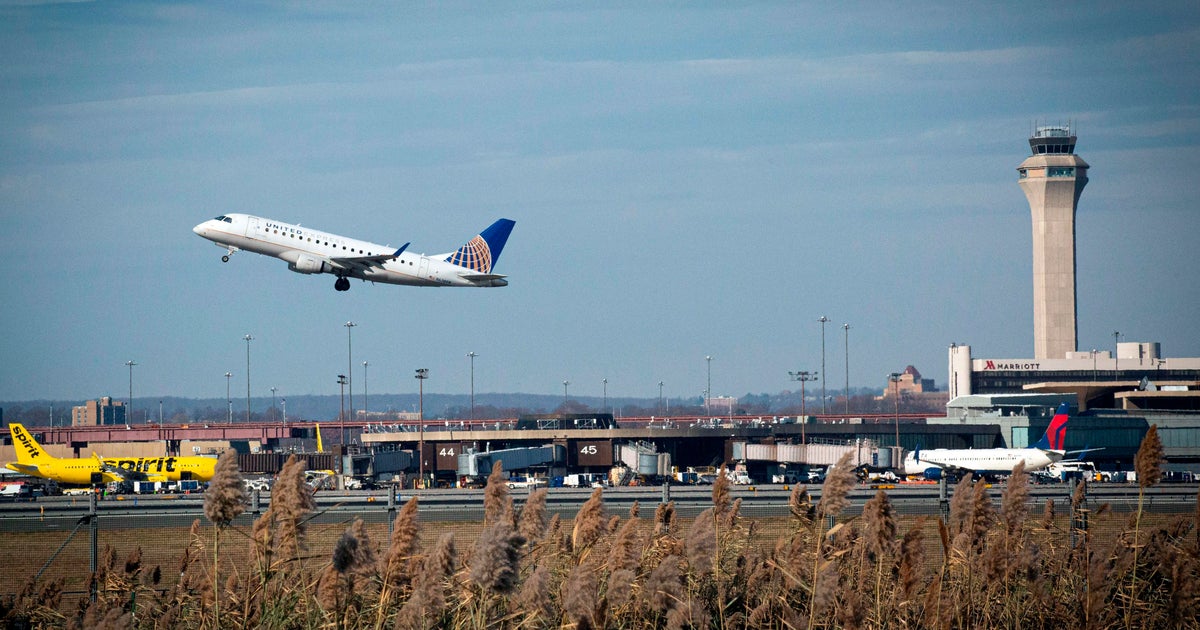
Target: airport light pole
350	365
272	402
803	376
660	400
129	411
248	338
365	366
471	355
823	319
708	388
846	329
284	401
422	374
228	398
602	410
342	380
565	383
894	377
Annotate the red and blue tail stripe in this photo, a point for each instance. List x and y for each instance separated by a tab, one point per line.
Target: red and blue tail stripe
1055	438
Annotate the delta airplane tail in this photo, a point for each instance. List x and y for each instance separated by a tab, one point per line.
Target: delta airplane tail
481	253
1055	437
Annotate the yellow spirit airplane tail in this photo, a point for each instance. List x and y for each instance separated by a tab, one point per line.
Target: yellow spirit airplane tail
320	446
29	452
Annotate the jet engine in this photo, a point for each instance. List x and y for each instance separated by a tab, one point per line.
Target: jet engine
308	265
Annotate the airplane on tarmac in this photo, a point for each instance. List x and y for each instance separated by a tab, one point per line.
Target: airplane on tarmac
935	463
34	461
311	251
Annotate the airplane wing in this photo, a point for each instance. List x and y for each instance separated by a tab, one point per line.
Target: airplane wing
123	474
363	263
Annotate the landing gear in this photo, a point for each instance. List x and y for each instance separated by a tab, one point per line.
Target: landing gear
225	259
342	284
231	250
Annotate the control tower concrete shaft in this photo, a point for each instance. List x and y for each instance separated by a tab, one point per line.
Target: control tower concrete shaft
1052	178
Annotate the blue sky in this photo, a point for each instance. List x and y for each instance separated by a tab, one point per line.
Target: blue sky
688	180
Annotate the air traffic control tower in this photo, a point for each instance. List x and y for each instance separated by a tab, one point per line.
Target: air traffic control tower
1052	178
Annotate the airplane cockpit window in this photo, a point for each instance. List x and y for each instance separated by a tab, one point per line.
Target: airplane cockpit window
228	220
221	218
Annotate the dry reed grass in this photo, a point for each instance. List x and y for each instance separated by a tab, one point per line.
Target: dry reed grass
990	564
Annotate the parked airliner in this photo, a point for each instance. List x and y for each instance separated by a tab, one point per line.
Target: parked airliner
34	461
311	251
992	461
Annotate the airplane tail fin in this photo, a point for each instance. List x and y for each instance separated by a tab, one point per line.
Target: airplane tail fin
320	446
27	448
481	253
1055	438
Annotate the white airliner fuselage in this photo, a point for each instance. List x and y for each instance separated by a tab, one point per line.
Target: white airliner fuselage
310	251
982	461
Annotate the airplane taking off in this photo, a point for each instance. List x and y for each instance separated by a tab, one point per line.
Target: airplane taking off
310	251
992	461
33	461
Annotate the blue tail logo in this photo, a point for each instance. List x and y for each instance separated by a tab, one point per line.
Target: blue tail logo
482	252
1055	438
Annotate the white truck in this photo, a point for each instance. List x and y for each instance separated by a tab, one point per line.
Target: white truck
530	483
584	480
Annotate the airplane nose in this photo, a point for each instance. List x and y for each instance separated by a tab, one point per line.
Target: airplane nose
199	229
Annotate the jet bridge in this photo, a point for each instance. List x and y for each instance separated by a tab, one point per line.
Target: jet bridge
479	464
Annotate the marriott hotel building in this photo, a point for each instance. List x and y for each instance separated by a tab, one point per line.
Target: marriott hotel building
1136	378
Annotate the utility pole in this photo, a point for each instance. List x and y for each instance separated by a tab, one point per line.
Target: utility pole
129	411
471	355
350	366
846	328
248	338
894	377
422	374
342	380
823	320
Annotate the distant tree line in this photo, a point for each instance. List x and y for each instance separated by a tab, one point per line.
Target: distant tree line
457	407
